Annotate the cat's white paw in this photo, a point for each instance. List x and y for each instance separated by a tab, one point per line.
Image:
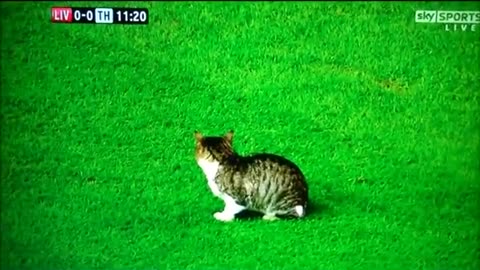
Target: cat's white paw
225	217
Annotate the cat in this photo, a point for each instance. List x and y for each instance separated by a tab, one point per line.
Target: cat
265	183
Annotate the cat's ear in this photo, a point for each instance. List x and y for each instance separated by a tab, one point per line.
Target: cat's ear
198	136
229	136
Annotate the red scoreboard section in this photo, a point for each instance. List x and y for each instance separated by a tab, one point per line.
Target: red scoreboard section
99	15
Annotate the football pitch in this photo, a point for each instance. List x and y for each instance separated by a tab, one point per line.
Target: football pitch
379	111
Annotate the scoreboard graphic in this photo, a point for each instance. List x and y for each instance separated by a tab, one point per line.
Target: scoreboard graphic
99	15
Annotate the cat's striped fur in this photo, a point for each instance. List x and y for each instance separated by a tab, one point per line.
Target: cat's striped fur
265	183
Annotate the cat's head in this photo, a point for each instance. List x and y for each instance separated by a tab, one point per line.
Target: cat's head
213	148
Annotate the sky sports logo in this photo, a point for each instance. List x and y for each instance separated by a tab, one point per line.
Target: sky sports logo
465	21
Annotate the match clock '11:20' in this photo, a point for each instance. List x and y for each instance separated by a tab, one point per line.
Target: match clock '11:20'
131	15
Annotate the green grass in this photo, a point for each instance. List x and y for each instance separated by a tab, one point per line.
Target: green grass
381	113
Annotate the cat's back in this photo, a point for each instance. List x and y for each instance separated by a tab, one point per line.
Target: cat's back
268	159
266	164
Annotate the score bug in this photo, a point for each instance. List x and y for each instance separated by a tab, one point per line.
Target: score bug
99	15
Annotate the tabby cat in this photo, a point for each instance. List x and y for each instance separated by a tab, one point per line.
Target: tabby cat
264	183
